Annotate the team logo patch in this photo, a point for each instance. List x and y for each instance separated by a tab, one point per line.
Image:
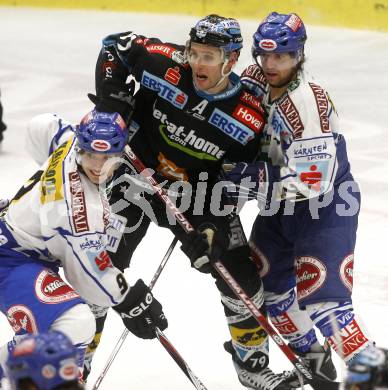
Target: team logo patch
260	260
21	319
50	288
100	145
310	275
172	75
268	44
346	271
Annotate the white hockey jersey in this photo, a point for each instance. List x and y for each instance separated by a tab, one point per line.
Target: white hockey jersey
60	215
301	136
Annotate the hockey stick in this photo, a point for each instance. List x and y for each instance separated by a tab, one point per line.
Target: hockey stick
124	335
224	273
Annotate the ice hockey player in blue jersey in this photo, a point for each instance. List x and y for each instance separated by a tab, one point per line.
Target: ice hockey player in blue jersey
46	361
305	234
59	218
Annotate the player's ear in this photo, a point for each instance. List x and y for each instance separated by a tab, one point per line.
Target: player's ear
233	58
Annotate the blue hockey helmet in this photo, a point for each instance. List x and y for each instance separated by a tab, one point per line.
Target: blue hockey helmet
47	359
218	31
279	33
102	132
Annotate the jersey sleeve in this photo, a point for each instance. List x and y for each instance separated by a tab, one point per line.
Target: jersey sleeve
128	54
88	268
304	126
45	132
253	79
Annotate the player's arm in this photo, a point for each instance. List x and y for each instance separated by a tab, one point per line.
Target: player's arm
122	55
254	80
88	268
45	132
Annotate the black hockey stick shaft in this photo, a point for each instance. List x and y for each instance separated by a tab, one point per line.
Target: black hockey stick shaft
218	266
124	335
179	360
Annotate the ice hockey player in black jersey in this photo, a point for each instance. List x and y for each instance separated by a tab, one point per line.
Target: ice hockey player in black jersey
191	115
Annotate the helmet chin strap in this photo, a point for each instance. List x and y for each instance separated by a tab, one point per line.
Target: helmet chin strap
223	74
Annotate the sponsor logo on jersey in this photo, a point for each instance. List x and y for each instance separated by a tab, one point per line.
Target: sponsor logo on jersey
50	288
313	174
186	140
311	150
310	276
289	110
268	44
164	50
294	22
346	271
284	324
114	231
250	117
172	75
254	72
248	337
348	340
52	179
92	244
78	205
103	261
251	100
164	90
21	319
259	259
231	127
323	107
170	170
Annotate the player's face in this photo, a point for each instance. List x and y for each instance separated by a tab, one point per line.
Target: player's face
99	167
206	64
278	68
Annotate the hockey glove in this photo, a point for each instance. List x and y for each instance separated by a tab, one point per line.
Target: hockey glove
252	181
141	312
114	96
204	246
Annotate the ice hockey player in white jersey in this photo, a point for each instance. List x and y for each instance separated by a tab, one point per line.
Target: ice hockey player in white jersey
305	233
59	218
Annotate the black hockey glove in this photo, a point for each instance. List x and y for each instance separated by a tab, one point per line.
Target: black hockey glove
204	246
114	96
141	312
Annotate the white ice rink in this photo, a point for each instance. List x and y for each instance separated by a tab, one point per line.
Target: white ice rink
47	61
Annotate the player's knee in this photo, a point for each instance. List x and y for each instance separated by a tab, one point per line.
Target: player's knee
78	323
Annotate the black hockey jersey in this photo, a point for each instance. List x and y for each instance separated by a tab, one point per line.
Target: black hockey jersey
181	130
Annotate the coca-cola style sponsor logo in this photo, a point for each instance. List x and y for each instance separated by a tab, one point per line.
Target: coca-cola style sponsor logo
310	275
346	271
100	145
267	44
50	288
259	259
21	319
78	205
